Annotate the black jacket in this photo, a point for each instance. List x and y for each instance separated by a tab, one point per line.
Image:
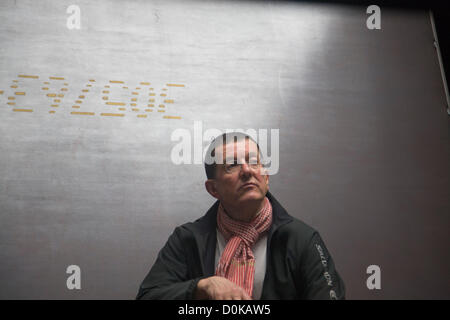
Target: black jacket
298	263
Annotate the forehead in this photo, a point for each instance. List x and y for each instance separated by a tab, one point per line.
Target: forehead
242	146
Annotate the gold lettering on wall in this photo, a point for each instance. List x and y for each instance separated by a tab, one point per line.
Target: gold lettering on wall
56	89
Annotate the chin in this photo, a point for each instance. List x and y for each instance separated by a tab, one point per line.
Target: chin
252	196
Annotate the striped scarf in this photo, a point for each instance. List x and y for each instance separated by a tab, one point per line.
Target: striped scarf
237	262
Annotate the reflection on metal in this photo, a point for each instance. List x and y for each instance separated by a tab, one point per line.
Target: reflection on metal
441	65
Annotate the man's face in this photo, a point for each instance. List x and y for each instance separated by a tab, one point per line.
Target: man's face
241	178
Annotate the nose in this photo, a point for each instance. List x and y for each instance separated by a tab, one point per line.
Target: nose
245	169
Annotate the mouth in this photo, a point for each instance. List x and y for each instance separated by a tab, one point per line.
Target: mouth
248	185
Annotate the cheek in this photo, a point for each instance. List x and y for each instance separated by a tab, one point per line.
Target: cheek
229	184
265	180
261	177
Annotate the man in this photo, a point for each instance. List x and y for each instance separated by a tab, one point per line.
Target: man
246	246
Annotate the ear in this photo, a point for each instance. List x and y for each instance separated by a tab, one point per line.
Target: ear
210	186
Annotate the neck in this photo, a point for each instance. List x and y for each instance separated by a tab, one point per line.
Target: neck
244	213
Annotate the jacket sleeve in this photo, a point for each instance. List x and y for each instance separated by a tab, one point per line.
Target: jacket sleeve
322	280
168	278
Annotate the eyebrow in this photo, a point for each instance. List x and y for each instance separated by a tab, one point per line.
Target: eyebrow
233	158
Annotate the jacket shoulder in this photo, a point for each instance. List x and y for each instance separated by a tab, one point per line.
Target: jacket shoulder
204	224
185	231
296	234
298	228
289	227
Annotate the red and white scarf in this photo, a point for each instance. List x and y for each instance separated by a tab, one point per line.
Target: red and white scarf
237	262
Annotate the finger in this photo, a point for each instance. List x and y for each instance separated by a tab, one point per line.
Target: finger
225	296
245	296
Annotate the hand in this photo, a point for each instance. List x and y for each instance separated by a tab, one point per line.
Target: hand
219	288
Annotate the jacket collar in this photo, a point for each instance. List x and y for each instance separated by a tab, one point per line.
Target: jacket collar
204	230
